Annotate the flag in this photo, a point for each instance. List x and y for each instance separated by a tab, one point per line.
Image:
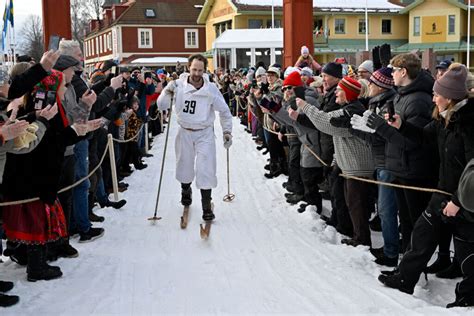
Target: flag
5	24
10	11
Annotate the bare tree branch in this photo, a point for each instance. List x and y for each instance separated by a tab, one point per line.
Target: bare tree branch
32	42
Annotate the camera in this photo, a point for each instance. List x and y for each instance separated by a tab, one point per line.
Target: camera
390	108
273	104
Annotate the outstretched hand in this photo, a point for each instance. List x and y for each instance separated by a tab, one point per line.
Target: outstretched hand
227	140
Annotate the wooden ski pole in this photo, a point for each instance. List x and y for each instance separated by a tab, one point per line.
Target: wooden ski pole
229	196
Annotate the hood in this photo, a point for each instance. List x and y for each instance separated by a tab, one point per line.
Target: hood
423	82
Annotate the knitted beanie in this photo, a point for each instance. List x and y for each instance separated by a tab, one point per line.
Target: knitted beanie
452	85
289	70
466	187
293	79
367	65
274	70
304	50
306	71
260	71
383	78
470	81
333	69
351	87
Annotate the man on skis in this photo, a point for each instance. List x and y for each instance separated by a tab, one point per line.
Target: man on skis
196	99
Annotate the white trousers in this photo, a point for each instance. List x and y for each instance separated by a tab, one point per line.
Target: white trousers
196	157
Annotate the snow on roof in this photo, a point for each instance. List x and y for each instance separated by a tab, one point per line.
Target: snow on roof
339	4
257	38
159	60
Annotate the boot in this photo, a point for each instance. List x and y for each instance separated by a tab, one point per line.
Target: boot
461	302
95	218
302	207
396	281
451	272
116	205
375	224
295	198
275	170
5	286
8	300
37	268
186	194
442	262
207	212
16	252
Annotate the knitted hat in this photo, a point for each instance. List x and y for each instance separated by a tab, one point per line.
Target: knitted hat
304	50
64	62
51	82
306	71
470	81
107	65
333	69
274	70
293	79
465	188
351	87
452	85
367	65
260	71
383	78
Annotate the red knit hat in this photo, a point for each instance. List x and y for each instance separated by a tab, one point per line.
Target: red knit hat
293	79
351	87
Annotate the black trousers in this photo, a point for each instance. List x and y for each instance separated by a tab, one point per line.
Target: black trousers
311	178
357	200
340	212
294	175
411	205
423	243
66	179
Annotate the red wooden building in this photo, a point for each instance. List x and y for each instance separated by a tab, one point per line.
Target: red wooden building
145	33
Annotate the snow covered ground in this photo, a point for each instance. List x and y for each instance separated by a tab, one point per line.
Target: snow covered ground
262	256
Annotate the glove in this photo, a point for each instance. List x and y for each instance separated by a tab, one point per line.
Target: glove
343	121
227	140
360	123
385	54
376	57
374	121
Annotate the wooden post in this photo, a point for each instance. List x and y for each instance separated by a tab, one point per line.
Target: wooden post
113	169
146	138
56	19
297	29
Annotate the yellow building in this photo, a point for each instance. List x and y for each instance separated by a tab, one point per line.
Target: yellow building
339	27
440	25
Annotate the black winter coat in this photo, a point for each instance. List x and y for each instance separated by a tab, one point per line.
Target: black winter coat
456	148
403	157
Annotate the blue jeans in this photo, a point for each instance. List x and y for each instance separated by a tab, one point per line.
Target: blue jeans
80	219
388	212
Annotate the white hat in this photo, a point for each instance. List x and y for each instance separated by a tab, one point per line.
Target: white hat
260	72
367	65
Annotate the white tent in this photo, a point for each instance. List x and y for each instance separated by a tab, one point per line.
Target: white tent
158	61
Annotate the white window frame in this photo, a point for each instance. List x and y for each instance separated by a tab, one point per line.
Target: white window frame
109	41
97	45
101	50
196	33
150	32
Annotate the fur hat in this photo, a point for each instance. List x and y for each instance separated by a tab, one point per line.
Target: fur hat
289	70
333	69
452	85
351	87
383	78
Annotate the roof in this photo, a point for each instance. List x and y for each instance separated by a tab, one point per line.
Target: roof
170	12
110	3
349	6
418	2
245	38
460	46
158	61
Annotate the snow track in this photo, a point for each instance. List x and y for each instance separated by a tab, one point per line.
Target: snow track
262	256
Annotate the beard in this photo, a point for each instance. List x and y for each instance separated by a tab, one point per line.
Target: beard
196	78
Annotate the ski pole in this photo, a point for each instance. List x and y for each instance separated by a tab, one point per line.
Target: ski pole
229	196
155	218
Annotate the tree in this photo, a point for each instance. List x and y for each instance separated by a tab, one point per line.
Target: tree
32	42
80	17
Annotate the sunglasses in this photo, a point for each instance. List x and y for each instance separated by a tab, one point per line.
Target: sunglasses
395	68
286	88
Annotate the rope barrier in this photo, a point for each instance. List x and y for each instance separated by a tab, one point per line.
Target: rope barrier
66	188
130	139
400	186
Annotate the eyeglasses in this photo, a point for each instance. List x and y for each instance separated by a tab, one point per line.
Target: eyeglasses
287	88
395	68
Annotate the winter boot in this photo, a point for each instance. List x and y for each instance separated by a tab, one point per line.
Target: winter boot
451	272
396	281
8	300
16	252
275	170
294	198
461	302
186	194
442	262
37	268
5	286
302	207
207	212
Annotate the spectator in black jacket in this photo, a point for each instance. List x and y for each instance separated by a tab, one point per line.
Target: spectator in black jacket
453	131
410	163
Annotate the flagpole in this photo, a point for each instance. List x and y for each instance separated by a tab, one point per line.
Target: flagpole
273	16
366	27
468	52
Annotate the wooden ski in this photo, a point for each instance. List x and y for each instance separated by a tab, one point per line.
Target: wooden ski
205	230
184	218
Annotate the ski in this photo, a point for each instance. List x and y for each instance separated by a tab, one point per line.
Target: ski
184	218
205	230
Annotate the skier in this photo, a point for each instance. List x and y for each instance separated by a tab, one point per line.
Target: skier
196	99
